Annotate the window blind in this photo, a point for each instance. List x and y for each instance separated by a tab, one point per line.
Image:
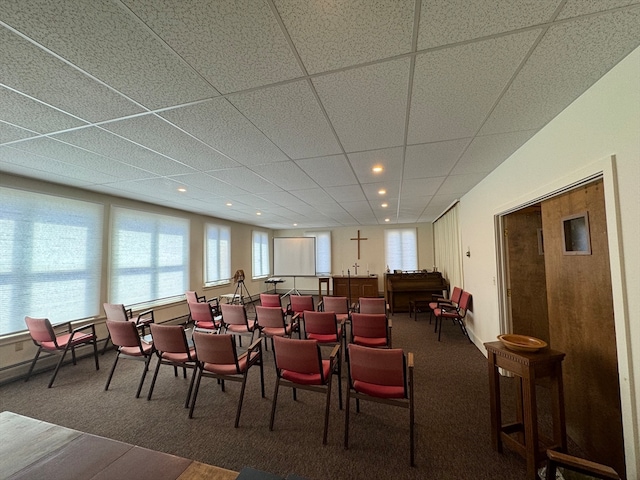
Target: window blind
149	256
50	258
401	249
323	251
218	254
260	254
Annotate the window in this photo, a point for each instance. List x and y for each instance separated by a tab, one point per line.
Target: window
217	254
323	251
149	256
50	259
260	254
401	249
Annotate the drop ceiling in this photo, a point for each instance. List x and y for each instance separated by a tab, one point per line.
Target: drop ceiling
283	107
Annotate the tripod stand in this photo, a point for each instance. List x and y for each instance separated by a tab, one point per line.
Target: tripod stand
240	286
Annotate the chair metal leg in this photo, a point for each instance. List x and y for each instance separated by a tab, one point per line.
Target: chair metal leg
326	413
195	392
95	352
244	384
346	419
273	403
106	343
113	369
144	375
55	372
155	375
193	378
33	364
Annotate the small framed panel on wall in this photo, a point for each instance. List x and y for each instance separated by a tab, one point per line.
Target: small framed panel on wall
575	235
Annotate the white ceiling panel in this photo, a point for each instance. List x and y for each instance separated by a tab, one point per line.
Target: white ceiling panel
367	106
234	44
219	124
291	117
443	22
284	106
570	58
332	35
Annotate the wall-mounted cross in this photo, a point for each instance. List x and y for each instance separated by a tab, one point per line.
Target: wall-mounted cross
358	238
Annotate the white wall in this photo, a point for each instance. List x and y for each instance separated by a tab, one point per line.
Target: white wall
604	121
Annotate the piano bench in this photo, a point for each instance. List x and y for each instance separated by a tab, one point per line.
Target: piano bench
417	306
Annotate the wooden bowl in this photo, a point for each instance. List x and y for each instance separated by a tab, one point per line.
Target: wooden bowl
522	343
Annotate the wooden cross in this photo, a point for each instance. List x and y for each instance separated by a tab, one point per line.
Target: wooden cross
358	238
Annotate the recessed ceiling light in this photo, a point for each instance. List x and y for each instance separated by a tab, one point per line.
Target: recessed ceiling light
382	191
386	219
295	224
258	213
377	169
228	204
182	189
384	205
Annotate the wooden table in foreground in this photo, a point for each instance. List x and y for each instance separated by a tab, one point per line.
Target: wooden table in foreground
522	435
35	449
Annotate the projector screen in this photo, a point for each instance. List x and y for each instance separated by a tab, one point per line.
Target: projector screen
294	256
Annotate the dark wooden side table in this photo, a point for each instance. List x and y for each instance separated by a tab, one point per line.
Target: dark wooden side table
322	281
522	435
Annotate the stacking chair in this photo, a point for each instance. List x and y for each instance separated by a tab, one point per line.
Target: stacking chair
371	330
126	338
579	465
445	302
298	304
381	375
218	358
299	364
456	314
372	305
271	323
234	320
172	348
337	305
117	312
193	297
271	300
325	328
204	317
45	338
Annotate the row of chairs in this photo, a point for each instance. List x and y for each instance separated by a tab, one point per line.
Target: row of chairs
454	308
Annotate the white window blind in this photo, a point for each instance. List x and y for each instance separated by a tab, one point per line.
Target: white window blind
401	249
323	251
50	258
218	254
149	256
260	254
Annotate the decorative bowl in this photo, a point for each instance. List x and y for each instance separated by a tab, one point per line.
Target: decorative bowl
522	343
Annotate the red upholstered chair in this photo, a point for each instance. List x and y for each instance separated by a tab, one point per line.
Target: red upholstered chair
271	300
45	338
337	305
371	330
456	314
299	365
218	358
235	321
383	376
172	348
271	323
117	312
325	328
372	305
193	297
126	338
298	304
445	302
203	316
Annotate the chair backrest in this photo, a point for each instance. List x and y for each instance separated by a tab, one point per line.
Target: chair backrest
192	297
115	312
270	300
301	356
270	317
300	303
234	314
201	312
455	295
371	325
336	304
373	305
40	330
123	334
465	300
385	367
320	323
169	338
217	349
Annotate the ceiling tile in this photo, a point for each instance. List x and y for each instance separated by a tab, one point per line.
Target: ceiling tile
443	22
30	70
102	34
420	187
568	60
219	124
247	180
574	8
459	184
329	171
456	88
207	182
336	34
371	190
367	106
11	133
234	44
433	159
290	116
313	196
390	159
346	193
286	175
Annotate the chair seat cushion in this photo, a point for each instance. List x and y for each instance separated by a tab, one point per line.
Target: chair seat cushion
277	331
370	342
238	328
308	378
439	312
323	338
208	325
227	368
64	339
380	391
179	357
135	351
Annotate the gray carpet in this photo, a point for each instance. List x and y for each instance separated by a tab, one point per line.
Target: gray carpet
452	416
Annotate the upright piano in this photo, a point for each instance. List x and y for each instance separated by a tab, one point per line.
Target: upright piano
400	288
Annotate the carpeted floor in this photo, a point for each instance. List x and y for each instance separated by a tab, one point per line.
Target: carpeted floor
452	417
